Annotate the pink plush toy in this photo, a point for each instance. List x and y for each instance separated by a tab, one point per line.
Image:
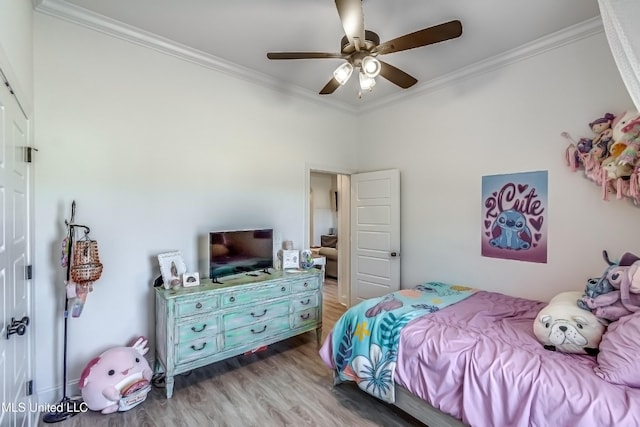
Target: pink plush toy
618	136
632	137
118	379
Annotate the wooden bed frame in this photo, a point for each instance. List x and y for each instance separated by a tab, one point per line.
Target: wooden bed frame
422	411
416	407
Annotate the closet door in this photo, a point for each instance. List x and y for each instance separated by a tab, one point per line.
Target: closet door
16	336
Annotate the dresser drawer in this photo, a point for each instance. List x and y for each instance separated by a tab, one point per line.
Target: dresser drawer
191	306
304	301
304	317
199	328
250	296
257	313
196	349
305	285
256	332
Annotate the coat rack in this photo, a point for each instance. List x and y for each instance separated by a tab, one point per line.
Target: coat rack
67	407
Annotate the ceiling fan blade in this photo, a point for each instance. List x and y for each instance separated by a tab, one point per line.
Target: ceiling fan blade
427	36
303	55
330	87
352	18
396	75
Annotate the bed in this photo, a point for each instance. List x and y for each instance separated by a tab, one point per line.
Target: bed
477	362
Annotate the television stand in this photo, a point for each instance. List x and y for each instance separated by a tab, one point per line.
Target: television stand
215	280
266	270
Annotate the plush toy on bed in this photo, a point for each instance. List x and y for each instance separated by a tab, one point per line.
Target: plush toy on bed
620	294
118	379
565	327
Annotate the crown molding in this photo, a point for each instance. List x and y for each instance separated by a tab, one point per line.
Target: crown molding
544	44
88	19
94	21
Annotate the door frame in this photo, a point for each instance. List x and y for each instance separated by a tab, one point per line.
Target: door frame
344	224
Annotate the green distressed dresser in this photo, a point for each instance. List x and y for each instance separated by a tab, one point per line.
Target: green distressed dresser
200	325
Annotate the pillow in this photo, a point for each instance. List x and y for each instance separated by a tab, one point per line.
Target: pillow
565	327
619	357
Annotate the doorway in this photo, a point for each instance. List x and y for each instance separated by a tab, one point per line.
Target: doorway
328	225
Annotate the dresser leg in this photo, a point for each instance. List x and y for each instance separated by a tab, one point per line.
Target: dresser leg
319	335
169	386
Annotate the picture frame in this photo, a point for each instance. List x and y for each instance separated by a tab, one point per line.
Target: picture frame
290	259
172	267
190	279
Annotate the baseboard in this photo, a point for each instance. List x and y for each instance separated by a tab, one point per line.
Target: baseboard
53	395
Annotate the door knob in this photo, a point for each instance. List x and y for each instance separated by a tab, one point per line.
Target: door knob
17	326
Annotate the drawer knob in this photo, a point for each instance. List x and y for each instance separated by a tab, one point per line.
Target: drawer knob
259	332
306	285
204	326
305	316
306	302
283	289
198	305
259	315
232	299
193	347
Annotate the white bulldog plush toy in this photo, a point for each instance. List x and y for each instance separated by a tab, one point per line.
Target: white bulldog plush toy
565	327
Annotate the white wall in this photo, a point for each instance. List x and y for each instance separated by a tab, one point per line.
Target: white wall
16	48
505	121
324	216
156	152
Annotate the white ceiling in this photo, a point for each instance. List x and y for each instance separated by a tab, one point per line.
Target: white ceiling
240	33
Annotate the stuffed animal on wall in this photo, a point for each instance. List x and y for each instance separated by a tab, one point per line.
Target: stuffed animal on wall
618	142
565	327
616	170
604	134
631	136
118	379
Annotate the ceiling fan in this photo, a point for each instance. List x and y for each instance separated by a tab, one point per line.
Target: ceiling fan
360	48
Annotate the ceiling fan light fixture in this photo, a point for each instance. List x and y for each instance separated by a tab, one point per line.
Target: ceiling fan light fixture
366	82
370	66
343	72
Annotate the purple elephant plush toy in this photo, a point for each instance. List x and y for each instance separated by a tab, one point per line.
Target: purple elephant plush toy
619	289
118	379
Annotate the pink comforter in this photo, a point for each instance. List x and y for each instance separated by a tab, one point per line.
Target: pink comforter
479	361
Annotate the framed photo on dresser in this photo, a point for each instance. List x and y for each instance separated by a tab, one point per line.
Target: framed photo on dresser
172	267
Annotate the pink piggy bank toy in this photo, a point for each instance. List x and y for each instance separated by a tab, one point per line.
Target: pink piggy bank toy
118	379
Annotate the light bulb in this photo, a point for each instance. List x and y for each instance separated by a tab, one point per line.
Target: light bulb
343	72
370	66
366	82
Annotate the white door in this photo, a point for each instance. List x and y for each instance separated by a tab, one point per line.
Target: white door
15	288
375	234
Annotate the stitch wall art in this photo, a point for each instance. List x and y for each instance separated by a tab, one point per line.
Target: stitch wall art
514	216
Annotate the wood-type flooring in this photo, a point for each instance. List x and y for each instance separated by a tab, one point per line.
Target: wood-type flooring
285	385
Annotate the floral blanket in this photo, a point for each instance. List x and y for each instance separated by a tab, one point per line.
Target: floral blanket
366	338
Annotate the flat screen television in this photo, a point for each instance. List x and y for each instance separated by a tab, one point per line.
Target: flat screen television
240	251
